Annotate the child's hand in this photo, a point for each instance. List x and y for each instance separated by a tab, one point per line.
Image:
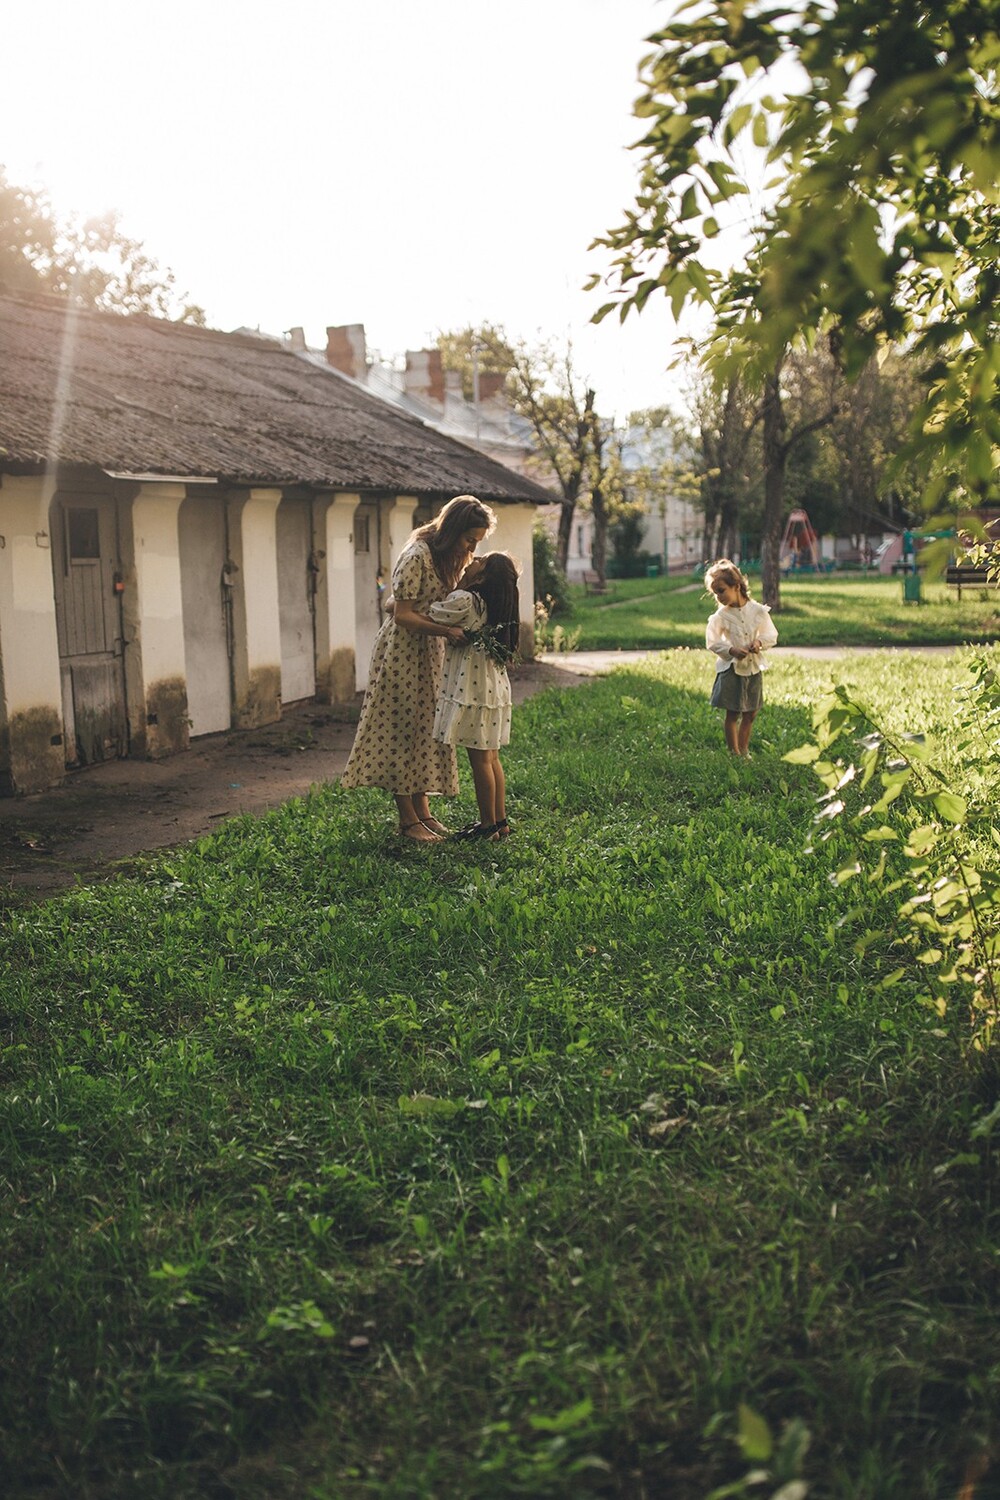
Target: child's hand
456	635
737	653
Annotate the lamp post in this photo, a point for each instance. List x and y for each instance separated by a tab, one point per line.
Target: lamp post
477	349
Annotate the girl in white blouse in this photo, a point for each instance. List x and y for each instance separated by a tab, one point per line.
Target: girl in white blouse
474	701
739	632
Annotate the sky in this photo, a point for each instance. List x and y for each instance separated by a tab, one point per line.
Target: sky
412	165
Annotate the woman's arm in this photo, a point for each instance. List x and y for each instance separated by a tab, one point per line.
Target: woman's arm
407	615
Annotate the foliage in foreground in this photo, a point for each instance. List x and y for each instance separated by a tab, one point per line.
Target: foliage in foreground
880	126
591	1164
918	836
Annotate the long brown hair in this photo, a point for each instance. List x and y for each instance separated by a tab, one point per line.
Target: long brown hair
444	535
497	587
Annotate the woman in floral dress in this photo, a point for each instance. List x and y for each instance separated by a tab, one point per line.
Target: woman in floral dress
394	746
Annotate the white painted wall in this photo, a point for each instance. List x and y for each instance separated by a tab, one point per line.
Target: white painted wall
294	544
28	637
155	512
400	522
340	674
258	547
513	534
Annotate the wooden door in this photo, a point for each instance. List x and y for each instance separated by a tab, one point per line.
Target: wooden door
207	613
296	600
87	579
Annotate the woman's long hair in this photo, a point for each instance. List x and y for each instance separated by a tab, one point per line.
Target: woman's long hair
444	535
497	587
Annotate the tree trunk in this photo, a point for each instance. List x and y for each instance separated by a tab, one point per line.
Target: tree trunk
600	552
775	458
567	510
598	478
708	538
729	510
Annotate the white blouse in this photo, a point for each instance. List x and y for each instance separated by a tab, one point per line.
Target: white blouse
739	625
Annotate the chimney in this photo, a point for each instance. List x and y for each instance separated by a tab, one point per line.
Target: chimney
424	375
296	338
346	350
491	383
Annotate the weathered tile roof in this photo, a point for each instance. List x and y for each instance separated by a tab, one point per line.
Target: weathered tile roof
142	395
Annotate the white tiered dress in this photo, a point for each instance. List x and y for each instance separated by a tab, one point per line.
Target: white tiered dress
474	703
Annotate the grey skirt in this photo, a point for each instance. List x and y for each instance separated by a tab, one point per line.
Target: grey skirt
739	695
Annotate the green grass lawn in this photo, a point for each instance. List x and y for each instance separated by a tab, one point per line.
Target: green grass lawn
816	610
334	1169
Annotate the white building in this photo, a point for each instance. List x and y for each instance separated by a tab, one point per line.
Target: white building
195	528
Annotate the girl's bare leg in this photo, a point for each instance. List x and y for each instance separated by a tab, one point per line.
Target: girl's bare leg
500	782
732	730
746	729
410	824
484	780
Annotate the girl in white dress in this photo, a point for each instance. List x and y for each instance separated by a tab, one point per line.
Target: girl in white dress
473	706
739	632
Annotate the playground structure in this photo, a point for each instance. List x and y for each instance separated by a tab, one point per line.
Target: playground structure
800	545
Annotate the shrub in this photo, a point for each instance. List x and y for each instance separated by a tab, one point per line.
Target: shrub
550	580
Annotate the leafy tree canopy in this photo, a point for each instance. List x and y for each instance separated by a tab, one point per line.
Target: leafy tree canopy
881	222
95	263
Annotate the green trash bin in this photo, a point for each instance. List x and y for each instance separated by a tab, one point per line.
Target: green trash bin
652	570
911	588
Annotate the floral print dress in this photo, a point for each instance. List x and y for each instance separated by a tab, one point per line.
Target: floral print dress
395	746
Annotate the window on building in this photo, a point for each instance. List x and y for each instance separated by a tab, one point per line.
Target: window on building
361	539
82	534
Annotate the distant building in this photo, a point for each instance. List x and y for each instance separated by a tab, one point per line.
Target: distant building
672	531
425	389
428	391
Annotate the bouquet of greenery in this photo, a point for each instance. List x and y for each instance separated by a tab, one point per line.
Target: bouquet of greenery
485	639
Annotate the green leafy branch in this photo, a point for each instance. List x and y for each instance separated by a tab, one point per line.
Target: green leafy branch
927	839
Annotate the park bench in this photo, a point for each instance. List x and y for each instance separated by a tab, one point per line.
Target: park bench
593	584
958	577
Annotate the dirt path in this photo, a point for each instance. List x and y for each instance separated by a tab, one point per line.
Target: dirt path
104	816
